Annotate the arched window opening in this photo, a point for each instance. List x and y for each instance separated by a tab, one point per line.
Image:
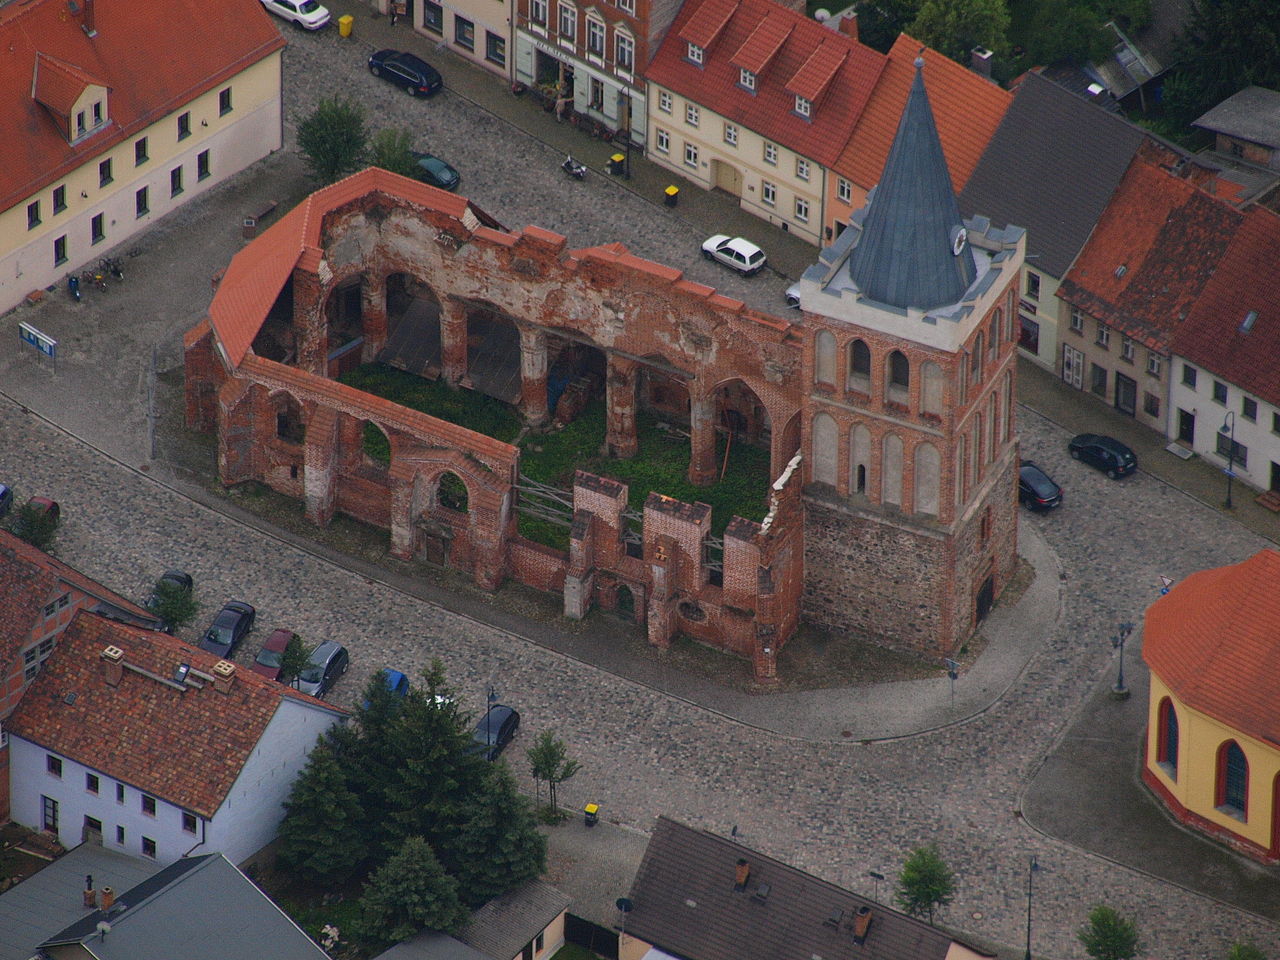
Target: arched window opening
452	493
891	470
824	367
859	367
1233	781
975	360
931	390
826	450
899	377
1167	739
928	465
289	426
859	458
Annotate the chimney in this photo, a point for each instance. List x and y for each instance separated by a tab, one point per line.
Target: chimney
849	25
90	894
224	675
980	61
108	898
112	665
861	924
90	30
740	875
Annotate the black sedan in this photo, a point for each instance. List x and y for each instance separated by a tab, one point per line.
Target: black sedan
173	582
229	627
432	170
1036	489
415	75
494	730
1103	453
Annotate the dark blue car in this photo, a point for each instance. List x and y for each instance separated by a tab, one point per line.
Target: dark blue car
417	77
229	627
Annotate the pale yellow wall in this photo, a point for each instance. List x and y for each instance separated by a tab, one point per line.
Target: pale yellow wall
631	948
92	94
1199	738
1048	309
959	952
747	157
485	15
250	131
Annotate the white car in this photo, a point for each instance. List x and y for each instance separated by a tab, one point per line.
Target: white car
301	13
743	255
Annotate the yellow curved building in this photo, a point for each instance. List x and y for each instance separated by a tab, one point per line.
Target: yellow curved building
1212	751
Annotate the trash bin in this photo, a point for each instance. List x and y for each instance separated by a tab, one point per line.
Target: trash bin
671	195
590	814
617	164
345	22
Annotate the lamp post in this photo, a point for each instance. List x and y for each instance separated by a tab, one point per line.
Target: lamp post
1120	691
1228	430
1032	868
492	696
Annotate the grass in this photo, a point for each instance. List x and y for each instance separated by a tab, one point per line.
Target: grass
572	951
466	408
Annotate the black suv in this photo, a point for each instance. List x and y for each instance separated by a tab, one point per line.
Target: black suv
418	77
1103	453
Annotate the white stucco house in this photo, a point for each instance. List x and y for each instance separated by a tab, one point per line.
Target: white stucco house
161	749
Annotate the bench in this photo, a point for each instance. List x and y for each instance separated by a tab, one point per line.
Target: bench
1270	500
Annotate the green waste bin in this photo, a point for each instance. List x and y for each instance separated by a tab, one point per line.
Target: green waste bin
345	23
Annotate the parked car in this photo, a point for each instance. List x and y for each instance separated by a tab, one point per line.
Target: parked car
742	255
494	730
396	683
42	506
1104	453
178	580
328	662
418	77
6	499
270	658
1036	489
229	627
306	14
431	169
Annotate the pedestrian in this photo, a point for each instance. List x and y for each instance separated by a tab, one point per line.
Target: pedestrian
562	107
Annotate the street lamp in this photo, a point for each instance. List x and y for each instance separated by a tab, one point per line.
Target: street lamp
492	696
1033	867
1120	691
1228	430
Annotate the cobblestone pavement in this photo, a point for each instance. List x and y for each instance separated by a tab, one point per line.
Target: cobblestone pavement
839	808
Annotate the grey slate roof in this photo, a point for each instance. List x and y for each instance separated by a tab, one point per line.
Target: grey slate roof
501	928
684	903
47	901
432	946
1253	114
1051	166
198	908
904	255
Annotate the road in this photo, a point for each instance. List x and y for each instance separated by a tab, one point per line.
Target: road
840	809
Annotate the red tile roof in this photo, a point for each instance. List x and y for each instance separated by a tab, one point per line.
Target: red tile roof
1247	280
967	109
1212	640
705	25
1155	247
186	746
149	65
838	71
764	42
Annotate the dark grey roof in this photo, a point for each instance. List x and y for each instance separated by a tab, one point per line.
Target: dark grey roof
432	946
684	902
1052	166
48	901
904	254
197	908
501	928
1253	114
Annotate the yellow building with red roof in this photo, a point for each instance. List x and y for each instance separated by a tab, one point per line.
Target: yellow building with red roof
118	112
1212	750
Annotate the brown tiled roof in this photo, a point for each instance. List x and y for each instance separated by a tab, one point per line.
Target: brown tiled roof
1212	640
1246	281
831	69
1154	249
766	40
684	903
186	746
28	580
149	66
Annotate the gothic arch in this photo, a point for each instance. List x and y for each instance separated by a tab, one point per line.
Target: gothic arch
824	358
928	469
859	375
859	459
891	469
825	442
290	421
932	382
898	378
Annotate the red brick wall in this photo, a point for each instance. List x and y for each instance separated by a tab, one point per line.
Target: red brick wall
536	565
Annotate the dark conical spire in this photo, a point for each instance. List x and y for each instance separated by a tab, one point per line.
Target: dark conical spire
906	255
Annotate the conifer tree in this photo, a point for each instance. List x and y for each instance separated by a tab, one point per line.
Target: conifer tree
321	836
406	895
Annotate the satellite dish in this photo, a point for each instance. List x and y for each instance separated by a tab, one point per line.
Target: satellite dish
822	15
103	928
623	904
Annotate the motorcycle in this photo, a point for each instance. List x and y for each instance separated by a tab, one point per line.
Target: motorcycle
573	168
112	266
73	286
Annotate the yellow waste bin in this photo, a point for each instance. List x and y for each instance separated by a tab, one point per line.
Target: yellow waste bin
671	195
345	22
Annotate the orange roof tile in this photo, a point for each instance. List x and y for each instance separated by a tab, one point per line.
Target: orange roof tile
186	746
149	66
967	109
58	85
704	26
769	110
1212	640
766	40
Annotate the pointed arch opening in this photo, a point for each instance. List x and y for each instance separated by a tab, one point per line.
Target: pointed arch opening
1231	788
899	378
859	377
826	450
1167	738
891	470
859	459
824	358
928	467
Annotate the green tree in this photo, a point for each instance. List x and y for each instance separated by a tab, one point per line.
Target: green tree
174	605
549	763
1108	936
293	659
925	883
333	139
406	895
499	846
1245	951
955	27
320	836
35	525
392	149
880	21
1227	45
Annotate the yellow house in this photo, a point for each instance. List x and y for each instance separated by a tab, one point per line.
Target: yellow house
117	114
1212	751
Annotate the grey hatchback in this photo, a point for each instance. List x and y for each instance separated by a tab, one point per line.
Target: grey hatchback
327	663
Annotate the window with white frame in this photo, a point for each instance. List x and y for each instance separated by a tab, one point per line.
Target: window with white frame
627	6
1126	349
1033	285
663	140
664	101
844	190
1104	336
595	37
691	114
768	193
746	78
691	155
1153	365
802	168
802	209
731	134
538	12
1077	320
803	106
694	54
568	23
771	153
624	53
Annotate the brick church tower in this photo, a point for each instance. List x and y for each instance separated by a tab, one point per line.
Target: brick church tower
910	442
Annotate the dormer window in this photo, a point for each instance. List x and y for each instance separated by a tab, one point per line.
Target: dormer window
695	54
803	106
747	79
80	127
97	113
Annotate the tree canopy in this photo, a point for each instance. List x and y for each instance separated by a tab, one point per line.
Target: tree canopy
925	883
1109	936
333	139
392	149
321	837
406	895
